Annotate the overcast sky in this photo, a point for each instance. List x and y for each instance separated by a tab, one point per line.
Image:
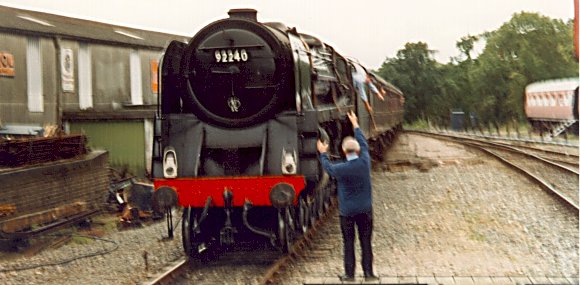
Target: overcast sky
370	30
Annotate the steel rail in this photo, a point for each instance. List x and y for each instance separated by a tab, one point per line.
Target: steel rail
298	247
545	160
168	276
504	146
545	185
536	141
545	151
172	272
535	178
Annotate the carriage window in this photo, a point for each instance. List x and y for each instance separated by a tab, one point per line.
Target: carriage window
545	100
553	100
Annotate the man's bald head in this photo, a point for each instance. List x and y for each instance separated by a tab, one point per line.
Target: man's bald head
350	145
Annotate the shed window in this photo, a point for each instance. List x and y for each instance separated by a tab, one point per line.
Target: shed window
136	81
34	74
85	77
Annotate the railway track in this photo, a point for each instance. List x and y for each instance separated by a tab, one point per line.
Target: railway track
264	266
522	140
552	174
568	157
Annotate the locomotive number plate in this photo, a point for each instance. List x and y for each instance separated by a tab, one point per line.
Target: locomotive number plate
229	55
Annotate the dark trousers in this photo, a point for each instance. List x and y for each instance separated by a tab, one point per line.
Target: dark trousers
364	224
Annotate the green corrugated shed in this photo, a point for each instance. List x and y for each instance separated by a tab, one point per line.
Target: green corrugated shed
125	141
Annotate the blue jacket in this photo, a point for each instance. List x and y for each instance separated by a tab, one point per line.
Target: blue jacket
354	179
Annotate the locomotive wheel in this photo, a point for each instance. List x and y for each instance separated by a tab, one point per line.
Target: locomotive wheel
285	232
290	228
314	208
191	239
289	222
320	201
327	199
282	232
303	215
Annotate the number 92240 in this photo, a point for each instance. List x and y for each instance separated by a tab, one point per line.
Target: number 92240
229	55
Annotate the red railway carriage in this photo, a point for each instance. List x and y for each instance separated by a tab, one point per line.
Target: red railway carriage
241	108
552	105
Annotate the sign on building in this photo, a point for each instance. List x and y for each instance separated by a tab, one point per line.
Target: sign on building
67	70
6	64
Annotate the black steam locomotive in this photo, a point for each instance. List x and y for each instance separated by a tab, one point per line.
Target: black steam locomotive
241	108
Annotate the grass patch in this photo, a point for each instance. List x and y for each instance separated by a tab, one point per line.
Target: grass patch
81	240
106	223
420	124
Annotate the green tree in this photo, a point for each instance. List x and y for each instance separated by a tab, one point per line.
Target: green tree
528	48
415	72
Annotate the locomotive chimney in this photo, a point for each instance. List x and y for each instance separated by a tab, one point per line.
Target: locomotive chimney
244	13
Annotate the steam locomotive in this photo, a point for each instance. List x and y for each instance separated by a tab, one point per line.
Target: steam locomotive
241	108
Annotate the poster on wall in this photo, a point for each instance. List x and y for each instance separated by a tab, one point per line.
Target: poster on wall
6	64
67	70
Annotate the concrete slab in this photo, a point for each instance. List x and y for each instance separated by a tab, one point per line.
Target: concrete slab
430	280
407	279
521	280
559	280
537	280
445	280
482	280
463	280
502	281
388	280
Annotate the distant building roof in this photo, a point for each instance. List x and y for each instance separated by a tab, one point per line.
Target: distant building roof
39	23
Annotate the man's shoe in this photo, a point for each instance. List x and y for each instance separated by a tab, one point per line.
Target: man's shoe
371	277
346	278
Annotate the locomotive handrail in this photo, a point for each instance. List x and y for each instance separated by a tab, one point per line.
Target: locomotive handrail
263	153
229	47
198	158
263	86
